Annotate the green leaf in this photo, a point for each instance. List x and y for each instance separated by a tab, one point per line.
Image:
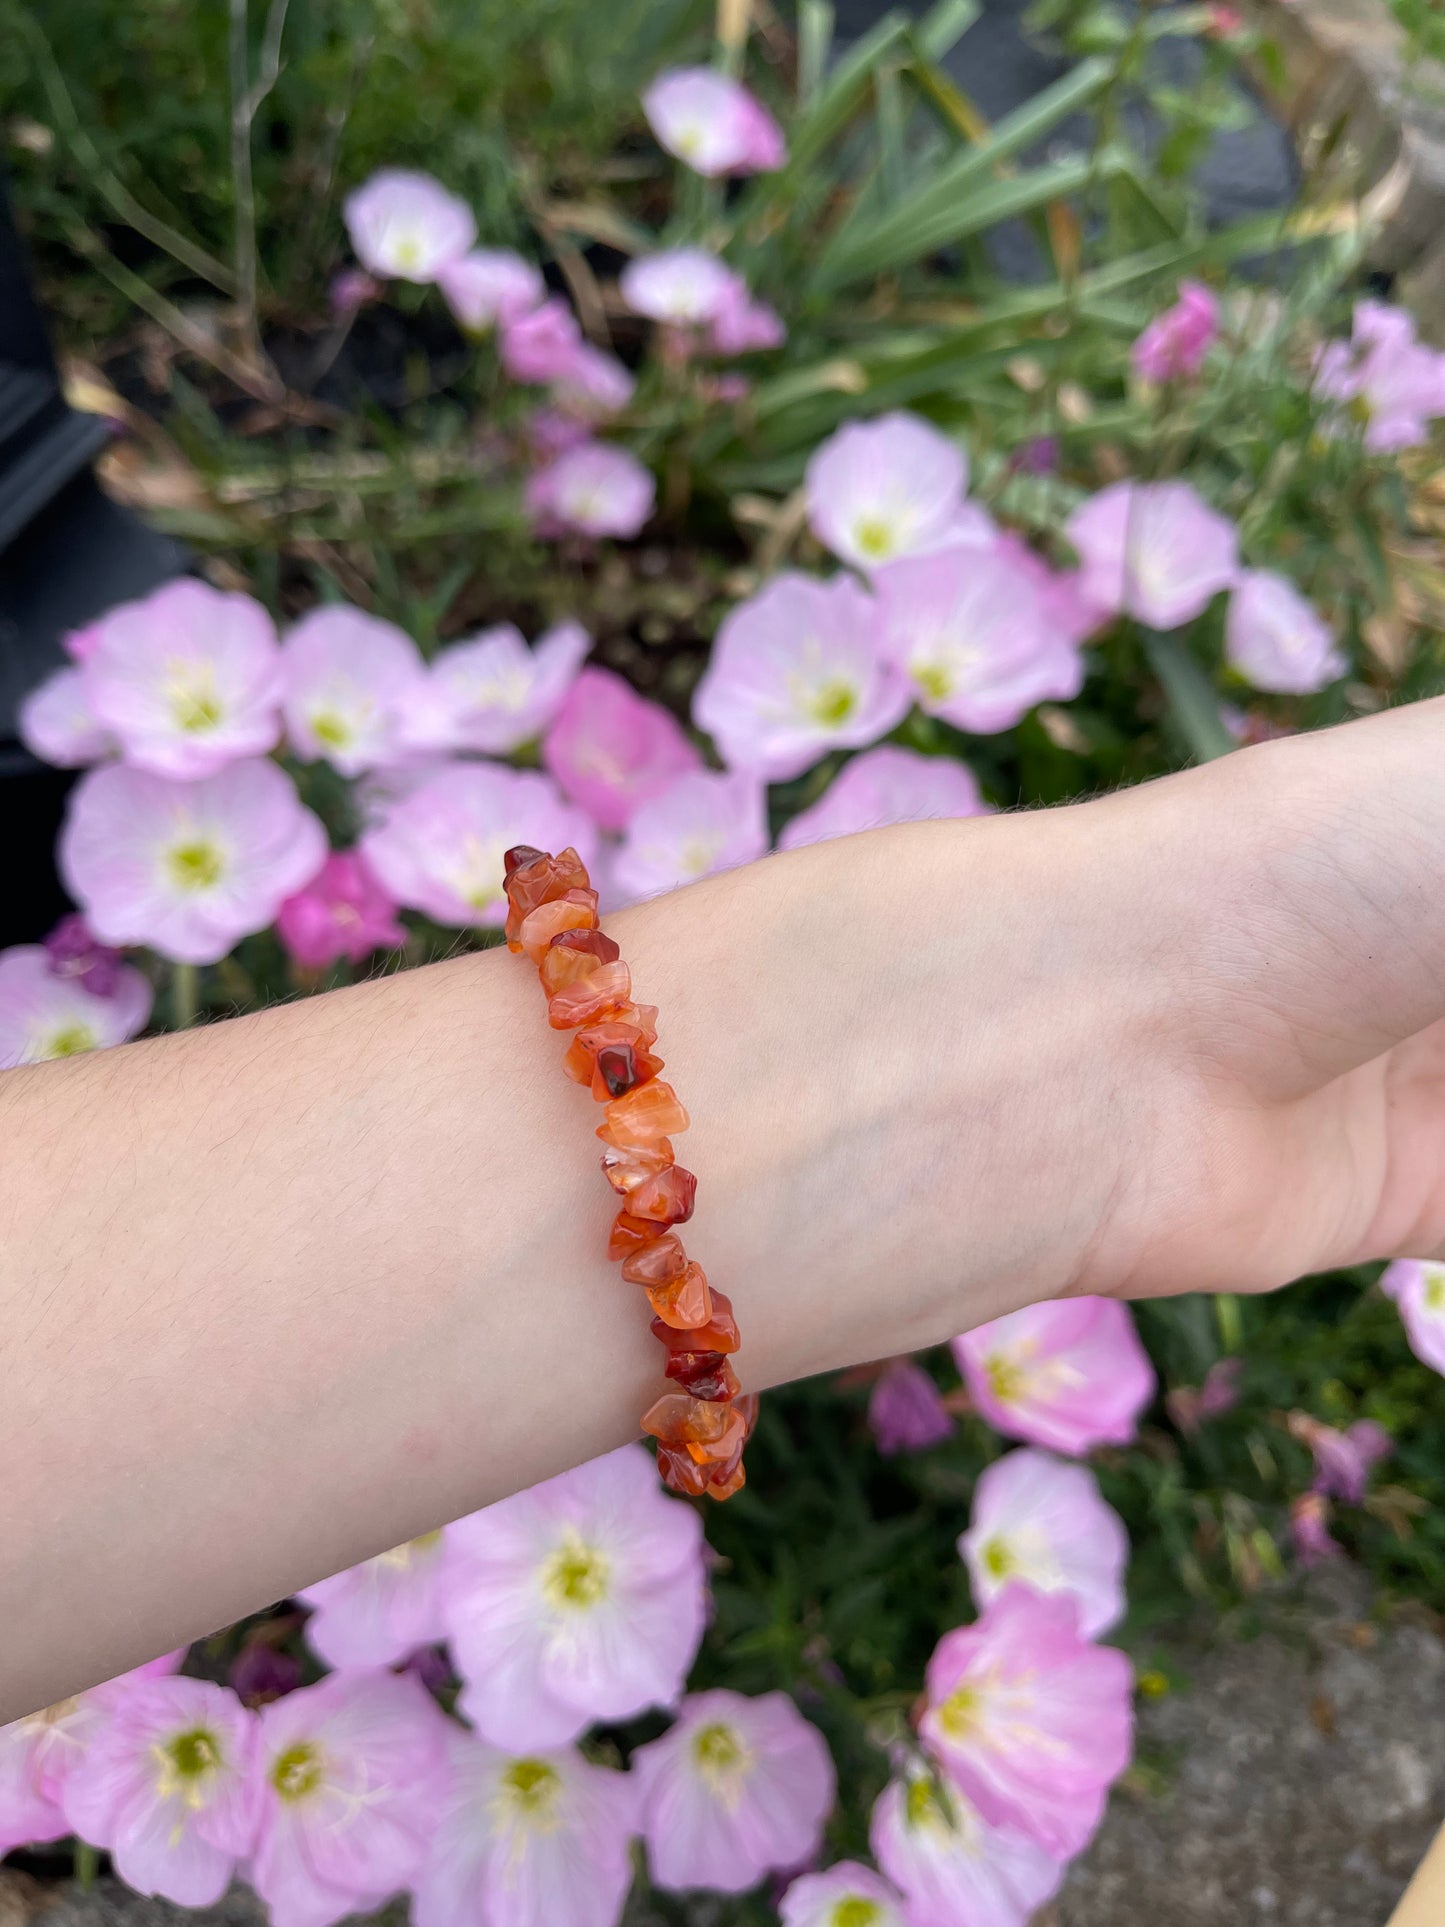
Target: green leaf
815	39
945	24
1193	704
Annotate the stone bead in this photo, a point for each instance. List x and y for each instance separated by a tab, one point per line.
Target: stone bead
680	1473
656	1263
747	1406
541	880
667	1197
577	910
606	987
625	1171
518	857
653	1110
705	1374
723	1481
679	1419
684	1301
630	1234
718	1334
580	1058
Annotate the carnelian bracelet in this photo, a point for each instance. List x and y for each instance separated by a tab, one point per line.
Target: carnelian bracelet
552	918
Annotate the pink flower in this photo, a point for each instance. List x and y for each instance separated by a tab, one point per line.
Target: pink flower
407	225
342	912
1396	382
353	288
847	1895
376	1613
882	786
349	679
951	1865
350	1774
1309	1528
684	287
57	722
1175	343
744	325
166	1786
498	693
735	1788
490	288
1343	1460
1153	550
883	489
541	1840
713	123
796	671
1417	1286
1190	1407
44	1015
187	680
439	850
187	868
594	383
1277	640
1068	1375
1028	1719
970	631
701	823
551	432
79	644
1044	1522
612	750
541	344
905	1410
583	1599
597	489
73	950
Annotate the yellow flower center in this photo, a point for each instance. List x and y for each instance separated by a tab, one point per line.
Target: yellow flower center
934	681
958	1714
72	1041
195	866
998	1561
576	1575
723	1760
855	1911
834	703
191	691
530	1789
297	1772
1005	1380
329	726
875	538
1434	1293
406	251
400	1557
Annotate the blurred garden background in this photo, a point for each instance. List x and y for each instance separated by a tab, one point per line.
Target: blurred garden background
688	430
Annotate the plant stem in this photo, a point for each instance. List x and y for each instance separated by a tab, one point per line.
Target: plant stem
84	1861
245	100
185	995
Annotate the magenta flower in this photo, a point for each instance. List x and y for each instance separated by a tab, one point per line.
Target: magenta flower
583	1599
1309	1529
906	1412
377	1613
683	287
1276	639
45	1014
1175	343
596	489
351	1773
440	848
342	912
349	680
351	290
57	722
1344	1460
701	823
1153	550
744	325
166	1786
187	868
1417	1286
1068	1375
186	680
950	1864
1393	380
490	288
405	224
847	1895
882	786
713	123
1190	1406
735	1788
973	636
882	489
540	1840
541	343
498	693
594	383
73	950
1044	1522
612	750
1030	1720
796	671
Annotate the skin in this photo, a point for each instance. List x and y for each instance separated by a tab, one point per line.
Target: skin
283	1292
